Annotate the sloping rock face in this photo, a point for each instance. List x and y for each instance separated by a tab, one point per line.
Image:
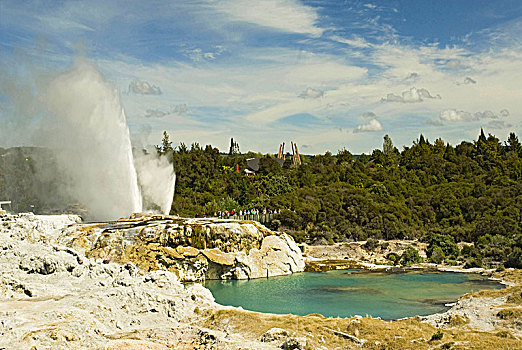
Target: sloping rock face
53	297
360	252
193	249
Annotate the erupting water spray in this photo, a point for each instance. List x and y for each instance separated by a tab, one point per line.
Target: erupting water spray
91	139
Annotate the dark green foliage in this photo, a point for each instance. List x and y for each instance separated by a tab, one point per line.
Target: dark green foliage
371	243
394	258
473	262
515	258
437	255
441	245
410	256
437	335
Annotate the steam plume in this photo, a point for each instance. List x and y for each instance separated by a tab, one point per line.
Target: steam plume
91	141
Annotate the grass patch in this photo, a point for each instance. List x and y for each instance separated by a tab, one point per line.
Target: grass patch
377	334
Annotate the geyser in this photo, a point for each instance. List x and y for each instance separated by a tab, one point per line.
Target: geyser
157	180
90	136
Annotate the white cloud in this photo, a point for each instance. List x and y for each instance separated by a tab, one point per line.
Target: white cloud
282	110
175	110
369	115
410	96
453	115
144	88
285	15
370	6
373	125
325	72
198	55
311	93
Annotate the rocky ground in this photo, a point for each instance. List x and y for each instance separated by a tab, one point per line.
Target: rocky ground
193	249
55	296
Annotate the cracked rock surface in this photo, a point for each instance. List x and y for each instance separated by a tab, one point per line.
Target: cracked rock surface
53	297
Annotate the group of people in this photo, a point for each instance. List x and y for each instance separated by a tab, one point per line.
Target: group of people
234	212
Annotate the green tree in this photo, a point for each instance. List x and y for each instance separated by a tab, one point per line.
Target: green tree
410	256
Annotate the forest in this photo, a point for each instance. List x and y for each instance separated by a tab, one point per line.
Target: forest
431	191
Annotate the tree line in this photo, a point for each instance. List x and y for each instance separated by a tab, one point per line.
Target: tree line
432	191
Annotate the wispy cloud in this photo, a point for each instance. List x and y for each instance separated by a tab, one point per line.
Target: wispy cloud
239	62
285	15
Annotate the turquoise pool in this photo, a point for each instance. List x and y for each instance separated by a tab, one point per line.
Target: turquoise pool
346	293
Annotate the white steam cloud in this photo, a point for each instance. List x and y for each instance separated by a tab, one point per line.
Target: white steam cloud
157	179
90	138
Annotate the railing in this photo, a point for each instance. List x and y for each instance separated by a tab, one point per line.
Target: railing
262	218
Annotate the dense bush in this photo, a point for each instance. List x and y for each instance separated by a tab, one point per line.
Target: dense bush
437	255
515	258
410	256
444	245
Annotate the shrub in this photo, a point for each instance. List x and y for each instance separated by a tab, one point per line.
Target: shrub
473	262
445	242
437	255
371	243
506	314
466	250
514	259
437	335
289	219
410	256
394	258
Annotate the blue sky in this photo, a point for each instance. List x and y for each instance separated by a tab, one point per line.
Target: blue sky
324	74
